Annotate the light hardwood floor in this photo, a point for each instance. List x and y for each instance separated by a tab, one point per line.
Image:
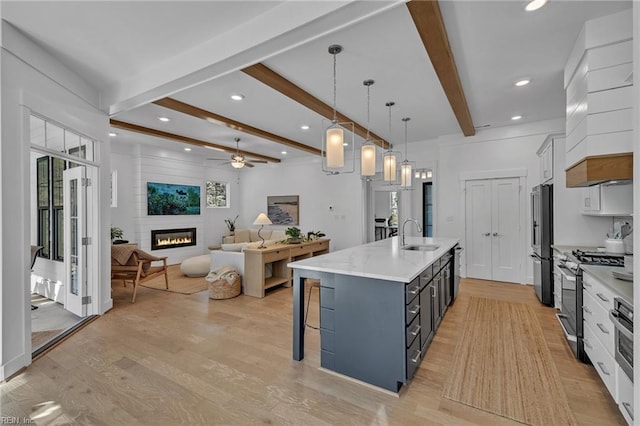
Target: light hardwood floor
184	359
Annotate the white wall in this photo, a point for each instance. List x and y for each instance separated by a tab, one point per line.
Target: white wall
332	204
33	86
139	164
571	227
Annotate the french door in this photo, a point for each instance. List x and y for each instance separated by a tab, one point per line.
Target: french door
75	233
493	229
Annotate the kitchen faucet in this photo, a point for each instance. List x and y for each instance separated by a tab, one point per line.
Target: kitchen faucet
405	222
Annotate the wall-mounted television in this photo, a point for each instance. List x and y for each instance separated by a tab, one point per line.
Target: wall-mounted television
171	199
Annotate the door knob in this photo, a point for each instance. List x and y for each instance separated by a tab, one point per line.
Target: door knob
495	234
487	234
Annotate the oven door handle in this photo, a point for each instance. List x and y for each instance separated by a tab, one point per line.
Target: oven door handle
567	276
570	337
613	315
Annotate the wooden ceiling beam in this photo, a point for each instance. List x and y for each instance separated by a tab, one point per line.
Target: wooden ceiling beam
185	139
428	20
277	82
220	120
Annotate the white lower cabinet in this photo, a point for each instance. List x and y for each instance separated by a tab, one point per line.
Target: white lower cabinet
625	395
602	361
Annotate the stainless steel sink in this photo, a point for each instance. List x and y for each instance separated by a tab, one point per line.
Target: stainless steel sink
421	247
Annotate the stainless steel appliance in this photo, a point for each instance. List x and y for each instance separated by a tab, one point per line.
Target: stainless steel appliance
456	270
622	317
570	316
541	241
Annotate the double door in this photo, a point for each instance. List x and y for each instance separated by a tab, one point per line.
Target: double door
492	229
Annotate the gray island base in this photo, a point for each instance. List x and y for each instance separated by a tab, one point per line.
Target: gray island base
380	306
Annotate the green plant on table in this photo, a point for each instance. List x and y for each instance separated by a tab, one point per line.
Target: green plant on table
116	233
293	233
231	223
314	235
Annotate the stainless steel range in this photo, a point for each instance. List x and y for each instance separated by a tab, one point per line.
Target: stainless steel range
570	315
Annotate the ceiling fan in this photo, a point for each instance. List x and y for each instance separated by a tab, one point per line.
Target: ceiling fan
237	160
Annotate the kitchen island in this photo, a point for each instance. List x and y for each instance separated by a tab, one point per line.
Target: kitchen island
380	305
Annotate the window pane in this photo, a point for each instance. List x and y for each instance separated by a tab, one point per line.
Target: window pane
43	232
58	240
42	181
58	183
55	137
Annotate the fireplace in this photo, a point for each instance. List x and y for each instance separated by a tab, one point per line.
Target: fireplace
172	238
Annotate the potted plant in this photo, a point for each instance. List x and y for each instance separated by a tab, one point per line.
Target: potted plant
116	235
314	235
293	235
231	224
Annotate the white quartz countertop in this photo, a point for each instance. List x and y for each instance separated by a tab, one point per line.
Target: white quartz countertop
603	274
383	259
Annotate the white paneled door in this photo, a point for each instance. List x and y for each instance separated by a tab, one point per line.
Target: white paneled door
493	229
75	253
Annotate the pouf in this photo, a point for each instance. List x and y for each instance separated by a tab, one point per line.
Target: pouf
224	283
198	266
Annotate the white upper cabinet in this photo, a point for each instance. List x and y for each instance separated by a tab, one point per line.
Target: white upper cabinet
607	200
545	152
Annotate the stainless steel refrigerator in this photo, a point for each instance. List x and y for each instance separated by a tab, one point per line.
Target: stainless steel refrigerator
541	241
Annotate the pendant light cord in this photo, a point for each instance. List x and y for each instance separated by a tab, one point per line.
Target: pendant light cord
368	110
406	120
335	119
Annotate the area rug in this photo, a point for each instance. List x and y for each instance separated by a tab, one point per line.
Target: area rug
502	365
178	283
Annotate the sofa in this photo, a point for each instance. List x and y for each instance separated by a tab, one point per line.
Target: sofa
248	238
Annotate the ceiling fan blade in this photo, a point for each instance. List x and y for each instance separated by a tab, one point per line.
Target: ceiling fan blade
259	161
218	159
248	164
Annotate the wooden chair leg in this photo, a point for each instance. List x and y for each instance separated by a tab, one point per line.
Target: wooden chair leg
136	282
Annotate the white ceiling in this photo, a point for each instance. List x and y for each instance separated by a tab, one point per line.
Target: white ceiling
494	43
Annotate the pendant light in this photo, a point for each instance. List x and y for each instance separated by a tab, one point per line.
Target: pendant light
389	159
334	140
406	166
368	150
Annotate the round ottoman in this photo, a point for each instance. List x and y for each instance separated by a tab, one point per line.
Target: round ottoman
198	266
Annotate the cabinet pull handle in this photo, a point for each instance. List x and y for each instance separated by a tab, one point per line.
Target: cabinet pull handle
601	327
495	234
414	290
435	292
604	370
584	308
417	357
415	330
628	408
587	344
415	310
604	299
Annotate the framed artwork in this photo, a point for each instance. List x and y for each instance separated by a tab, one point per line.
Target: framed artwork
170	199
217	194
283	209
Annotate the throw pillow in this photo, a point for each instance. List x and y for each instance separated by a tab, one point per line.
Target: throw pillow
242	236
233	247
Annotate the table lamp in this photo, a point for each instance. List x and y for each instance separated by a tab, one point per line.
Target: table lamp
262	220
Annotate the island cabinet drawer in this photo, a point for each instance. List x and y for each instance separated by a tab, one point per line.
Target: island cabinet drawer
412	310
436	265
413	331
414	356
598	319
601	293
601	360
327	297
272	256
412	289
426	276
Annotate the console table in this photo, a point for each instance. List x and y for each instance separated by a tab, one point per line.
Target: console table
256	260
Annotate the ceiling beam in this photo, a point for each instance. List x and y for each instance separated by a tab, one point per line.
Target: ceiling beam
427	18
277	82
185	139
220	120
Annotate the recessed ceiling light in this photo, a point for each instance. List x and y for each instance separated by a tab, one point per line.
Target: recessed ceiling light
516	117
304	127
237	97
535	5
187	149
284	153
113	134
164	119
523	82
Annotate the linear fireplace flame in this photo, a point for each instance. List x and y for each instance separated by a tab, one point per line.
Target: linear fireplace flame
172	238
